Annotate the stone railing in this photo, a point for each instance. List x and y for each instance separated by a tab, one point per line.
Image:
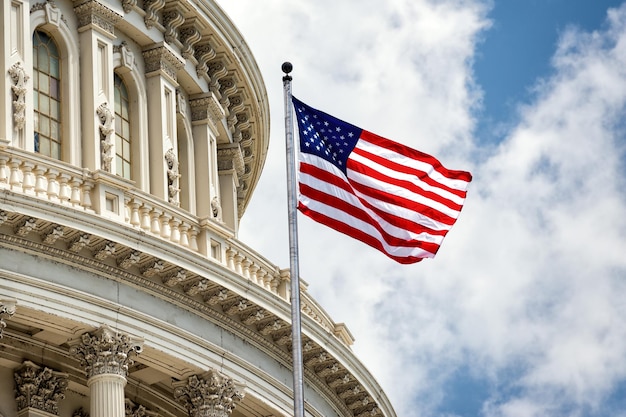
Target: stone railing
116	199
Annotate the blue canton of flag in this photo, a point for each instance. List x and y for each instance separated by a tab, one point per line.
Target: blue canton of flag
325	136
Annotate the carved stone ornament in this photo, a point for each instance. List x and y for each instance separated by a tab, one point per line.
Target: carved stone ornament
80	413
216	208
106	351
152	8
128	5
92	12
106	135
136	410
19	79
53	13
7	310
230	157
172	176
211	394
127	56
162	59
39	387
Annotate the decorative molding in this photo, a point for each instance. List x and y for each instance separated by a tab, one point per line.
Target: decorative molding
52	12
127	56
106	135
39	387
211	394
172	20
152	7
173	175
128	5
189	36
93	12
136	410
161	58
106	351
230	157
7	310
19	78
208	108
203	54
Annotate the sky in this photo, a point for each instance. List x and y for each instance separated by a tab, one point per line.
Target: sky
523	310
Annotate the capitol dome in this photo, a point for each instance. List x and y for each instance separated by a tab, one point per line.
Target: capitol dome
132	137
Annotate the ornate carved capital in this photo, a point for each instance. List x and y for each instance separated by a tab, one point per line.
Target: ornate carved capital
161	58
106	351
7	310
206	107
136	410
92	12
211	394
230	157
39	387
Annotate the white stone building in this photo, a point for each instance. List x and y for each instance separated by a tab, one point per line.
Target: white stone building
132	135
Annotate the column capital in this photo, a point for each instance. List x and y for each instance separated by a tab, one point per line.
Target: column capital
39	387
230	157
106	351
7	310
95	14
211	394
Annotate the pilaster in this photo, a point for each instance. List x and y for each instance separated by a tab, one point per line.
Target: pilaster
96	27
211	394
16	49
162	65
230	168
205	115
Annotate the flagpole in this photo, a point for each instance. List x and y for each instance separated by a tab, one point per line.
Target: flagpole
294	267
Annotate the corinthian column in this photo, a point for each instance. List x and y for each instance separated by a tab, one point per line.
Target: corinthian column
211	394
38	388
106	354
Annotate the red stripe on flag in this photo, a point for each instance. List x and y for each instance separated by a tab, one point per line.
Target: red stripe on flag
354	233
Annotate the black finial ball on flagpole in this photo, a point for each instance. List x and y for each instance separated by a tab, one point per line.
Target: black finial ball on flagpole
287	67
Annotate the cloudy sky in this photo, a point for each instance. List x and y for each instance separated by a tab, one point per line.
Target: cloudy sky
523	311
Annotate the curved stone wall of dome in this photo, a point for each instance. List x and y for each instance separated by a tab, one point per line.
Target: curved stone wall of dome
132	135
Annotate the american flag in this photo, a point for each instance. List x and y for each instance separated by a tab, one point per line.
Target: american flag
396	199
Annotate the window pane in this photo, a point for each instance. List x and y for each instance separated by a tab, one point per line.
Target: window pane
118	142
44	125
125	111
55	150
125	129
55	109
126	169
36	101
54	88
44	104
55	131
43	59
35	79
126	149
54	67
44	83
44	146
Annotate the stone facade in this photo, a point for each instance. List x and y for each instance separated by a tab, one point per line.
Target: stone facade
132	135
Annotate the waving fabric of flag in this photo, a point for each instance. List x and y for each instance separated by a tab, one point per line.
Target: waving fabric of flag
396	199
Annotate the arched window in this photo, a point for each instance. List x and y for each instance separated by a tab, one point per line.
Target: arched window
47	95
122	129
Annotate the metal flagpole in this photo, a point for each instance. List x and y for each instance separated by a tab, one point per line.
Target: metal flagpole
294	267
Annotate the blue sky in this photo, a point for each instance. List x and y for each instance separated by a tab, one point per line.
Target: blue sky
516	51
522	312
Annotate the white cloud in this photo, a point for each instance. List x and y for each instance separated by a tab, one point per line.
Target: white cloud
527	291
